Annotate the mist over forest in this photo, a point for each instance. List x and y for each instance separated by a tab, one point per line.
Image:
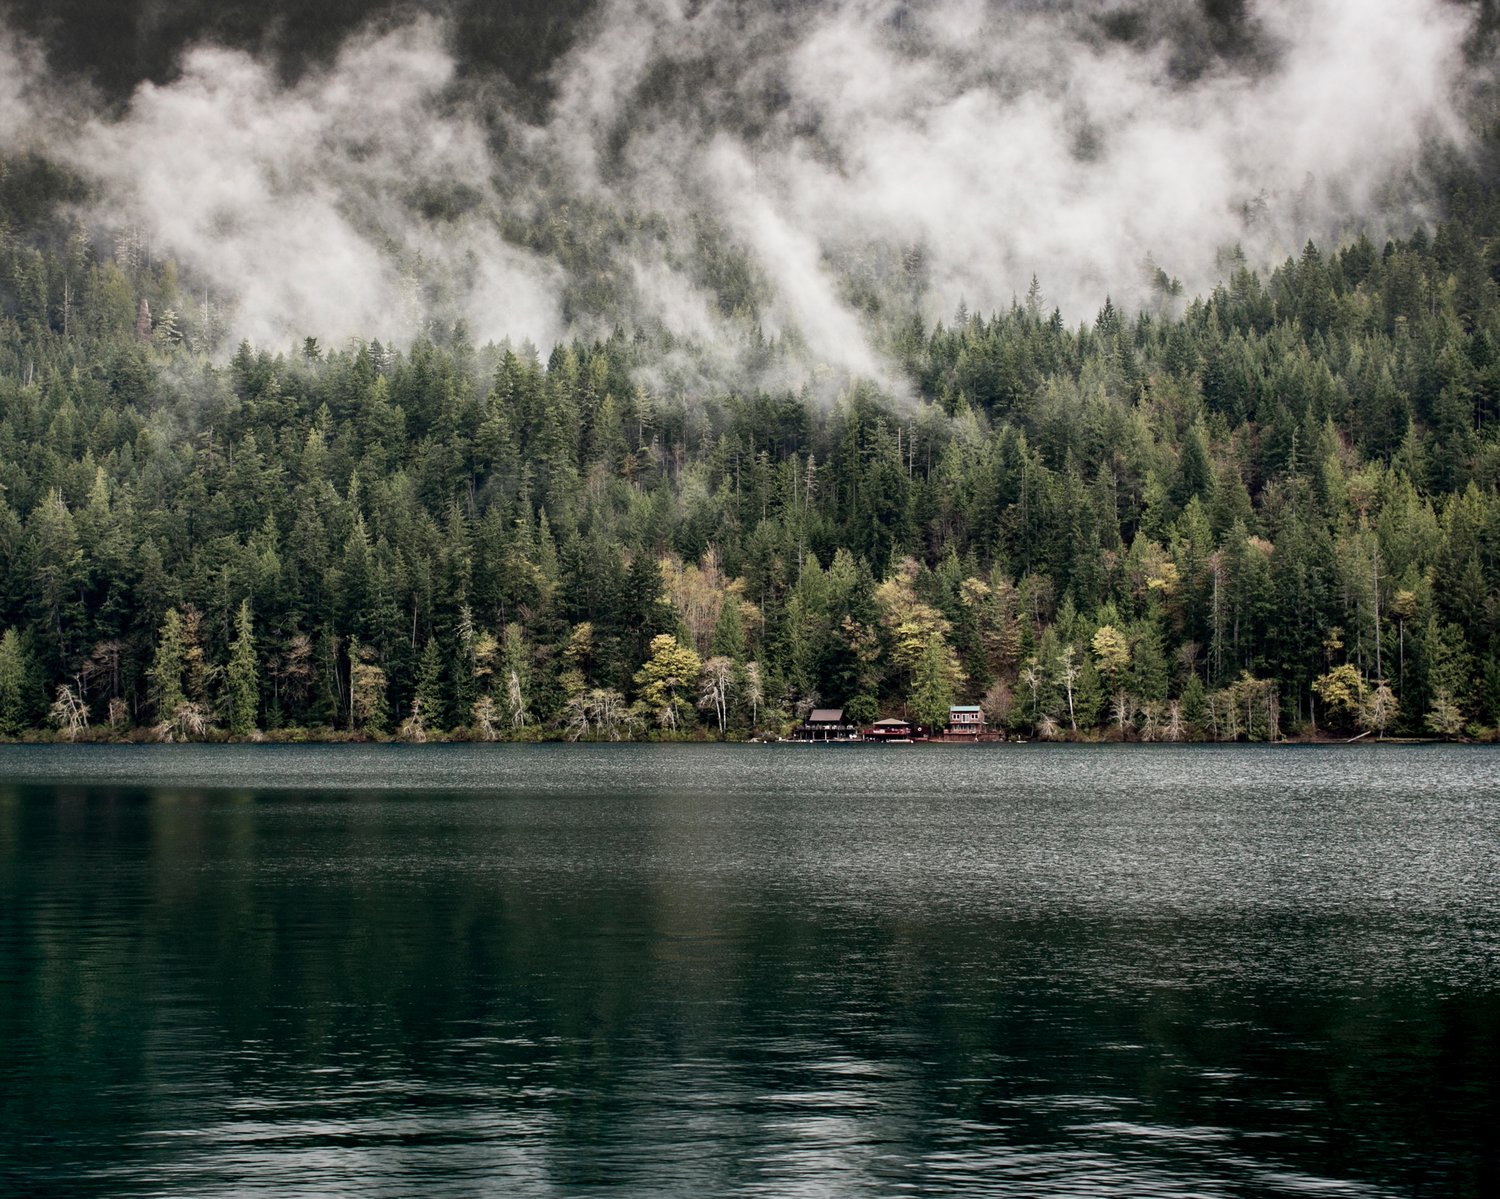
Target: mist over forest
983	314
816	172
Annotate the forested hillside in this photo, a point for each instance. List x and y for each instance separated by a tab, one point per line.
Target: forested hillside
1254	513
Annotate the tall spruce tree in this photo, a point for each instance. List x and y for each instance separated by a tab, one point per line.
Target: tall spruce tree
243	676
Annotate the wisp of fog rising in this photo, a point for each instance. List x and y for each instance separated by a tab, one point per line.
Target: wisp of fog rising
814	172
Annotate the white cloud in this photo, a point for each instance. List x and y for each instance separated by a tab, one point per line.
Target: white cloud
296	201
1002	140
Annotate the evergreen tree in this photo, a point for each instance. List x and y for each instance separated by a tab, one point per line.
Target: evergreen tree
14	685
934	683
167	694
243	676
429	687
729	631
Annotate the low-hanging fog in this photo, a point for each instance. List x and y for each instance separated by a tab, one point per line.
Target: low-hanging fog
816	172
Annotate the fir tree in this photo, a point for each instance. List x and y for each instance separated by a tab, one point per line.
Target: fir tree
243	676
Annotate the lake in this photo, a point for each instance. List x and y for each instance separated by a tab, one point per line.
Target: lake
749	970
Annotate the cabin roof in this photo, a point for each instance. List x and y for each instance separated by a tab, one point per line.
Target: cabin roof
826	716
890	722
964	708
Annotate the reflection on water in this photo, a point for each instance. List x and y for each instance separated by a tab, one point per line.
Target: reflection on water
750	971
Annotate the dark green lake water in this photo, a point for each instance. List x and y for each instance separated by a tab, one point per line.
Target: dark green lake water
779	971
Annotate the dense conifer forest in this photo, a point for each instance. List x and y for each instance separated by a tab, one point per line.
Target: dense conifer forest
1266	511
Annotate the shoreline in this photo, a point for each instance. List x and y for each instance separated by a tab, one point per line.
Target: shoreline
40	738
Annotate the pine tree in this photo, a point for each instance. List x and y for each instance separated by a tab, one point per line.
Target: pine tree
729	631
243	676
167	695
934	683
429	689
14	685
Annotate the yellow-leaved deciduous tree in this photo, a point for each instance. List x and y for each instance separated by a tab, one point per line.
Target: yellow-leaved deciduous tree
1112	658
1112	653
911	622
666	676
1150	573
1342	691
